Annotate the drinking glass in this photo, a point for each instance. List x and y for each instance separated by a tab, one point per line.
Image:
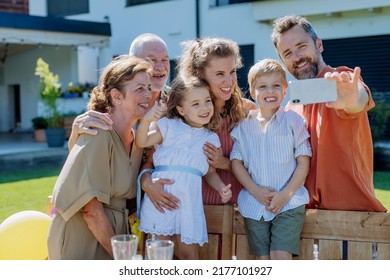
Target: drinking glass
159	249
124	246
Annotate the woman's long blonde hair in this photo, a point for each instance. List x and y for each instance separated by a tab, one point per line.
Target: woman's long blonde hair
196	57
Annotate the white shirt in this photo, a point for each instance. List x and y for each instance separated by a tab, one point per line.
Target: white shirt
269	154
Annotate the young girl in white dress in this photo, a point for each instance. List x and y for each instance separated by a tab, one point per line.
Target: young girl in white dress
179	137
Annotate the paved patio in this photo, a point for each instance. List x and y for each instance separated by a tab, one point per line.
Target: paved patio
20	151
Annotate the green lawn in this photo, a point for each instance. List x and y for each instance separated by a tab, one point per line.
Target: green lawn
28	190
382	187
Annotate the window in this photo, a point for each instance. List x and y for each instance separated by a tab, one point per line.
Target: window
248	58
173	74
12	6
140	2
61	8
372	55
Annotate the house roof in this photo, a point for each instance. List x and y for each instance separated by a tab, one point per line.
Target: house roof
22	21
19	32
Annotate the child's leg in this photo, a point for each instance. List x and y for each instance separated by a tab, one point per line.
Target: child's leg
258	234
280	255
186	251
286	233
263	257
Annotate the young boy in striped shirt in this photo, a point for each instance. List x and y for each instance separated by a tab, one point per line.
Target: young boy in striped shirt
270	158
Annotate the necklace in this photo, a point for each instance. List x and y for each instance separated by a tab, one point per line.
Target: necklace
223	113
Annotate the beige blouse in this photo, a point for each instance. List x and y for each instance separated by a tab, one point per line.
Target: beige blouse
97	166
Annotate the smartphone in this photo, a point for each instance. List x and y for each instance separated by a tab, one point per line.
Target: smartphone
311	91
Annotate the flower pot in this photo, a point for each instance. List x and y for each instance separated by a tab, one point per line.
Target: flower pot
55	137
40	135
68	123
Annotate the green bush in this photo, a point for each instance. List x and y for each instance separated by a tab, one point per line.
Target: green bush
379	118
39	123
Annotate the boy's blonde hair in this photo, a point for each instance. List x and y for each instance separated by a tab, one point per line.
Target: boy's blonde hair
265	67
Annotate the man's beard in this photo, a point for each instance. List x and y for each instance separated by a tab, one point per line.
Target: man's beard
310	73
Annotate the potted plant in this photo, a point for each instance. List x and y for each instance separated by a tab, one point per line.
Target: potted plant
49	86
79	89
39	125
72	91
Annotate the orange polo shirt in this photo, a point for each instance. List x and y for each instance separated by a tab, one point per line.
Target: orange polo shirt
341	170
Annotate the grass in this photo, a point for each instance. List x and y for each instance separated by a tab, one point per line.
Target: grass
382	187
26	190
29	189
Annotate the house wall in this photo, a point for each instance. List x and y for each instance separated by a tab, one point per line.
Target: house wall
37	7
20	69
247	23
173	20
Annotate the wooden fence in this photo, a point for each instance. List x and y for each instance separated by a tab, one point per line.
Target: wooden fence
340	235
351	235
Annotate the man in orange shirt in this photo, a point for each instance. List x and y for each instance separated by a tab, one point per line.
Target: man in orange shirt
341	170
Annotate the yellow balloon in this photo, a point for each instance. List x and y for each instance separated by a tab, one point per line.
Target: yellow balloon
23	236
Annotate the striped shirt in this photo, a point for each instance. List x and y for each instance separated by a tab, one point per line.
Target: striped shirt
269	154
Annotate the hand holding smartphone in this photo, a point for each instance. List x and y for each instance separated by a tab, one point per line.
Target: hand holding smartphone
311	91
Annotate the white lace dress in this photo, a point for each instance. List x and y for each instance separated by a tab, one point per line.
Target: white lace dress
182	146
